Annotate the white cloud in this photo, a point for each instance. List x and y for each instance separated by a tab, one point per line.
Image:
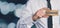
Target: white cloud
12	7
7	7
4	9
18	11
11	25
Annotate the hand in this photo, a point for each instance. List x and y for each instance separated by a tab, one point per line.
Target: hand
41	14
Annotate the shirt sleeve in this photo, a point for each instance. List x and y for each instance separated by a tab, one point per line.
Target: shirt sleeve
26	17
40	24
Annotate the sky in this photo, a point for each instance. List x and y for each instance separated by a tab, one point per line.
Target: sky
16	1
6	7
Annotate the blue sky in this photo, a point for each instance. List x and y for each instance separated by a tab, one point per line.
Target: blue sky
16	1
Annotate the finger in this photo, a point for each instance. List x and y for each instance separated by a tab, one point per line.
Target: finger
45	16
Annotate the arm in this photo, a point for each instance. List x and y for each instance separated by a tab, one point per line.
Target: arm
26	17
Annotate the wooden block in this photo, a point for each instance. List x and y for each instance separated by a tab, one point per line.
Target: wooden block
52	12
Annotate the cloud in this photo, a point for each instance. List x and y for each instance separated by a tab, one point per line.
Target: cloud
11	25
7	7
12	7
3	7
19	9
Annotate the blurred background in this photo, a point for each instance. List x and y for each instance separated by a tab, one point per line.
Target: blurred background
10	11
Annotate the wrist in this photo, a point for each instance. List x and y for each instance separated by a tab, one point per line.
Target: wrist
35	17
